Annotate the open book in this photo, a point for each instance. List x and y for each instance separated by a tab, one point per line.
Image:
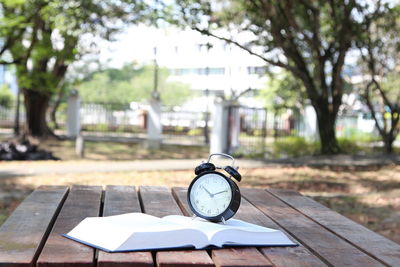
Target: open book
138	231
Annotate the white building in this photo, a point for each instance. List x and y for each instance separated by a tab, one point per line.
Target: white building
213	71
220	68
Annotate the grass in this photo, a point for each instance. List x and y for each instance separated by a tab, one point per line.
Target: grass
65	150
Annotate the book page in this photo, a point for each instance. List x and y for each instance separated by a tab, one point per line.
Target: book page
205	226
234	232
134	231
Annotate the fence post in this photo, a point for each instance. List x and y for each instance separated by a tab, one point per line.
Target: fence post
219	132
233	128
310	123
154	126
73	119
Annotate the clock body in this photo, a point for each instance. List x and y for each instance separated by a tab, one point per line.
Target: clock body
213	196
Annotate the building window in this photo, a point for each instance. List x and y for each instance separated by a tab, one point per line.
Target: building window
256	70
198	71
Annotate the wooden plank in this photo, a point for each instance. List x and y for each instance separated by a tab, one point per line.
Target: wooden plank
82	202
327	245
23	234
370	242
278	256
120	200
225	256
158	201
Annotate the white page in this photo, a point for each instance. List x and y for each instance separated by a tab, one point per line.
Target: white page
110	233
234	232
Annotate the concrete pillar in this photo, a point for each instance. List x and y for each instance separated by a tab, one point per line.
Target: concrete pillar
80	146
219	132
310	124
154	126
73	118
234	129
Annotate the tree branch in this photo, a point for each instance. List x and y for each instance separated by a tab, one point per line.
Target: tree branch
371	108
272	62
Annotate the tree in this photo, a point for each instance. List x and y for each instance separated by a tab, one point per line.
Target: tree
380	53
43	37
131	83
310	39
283	91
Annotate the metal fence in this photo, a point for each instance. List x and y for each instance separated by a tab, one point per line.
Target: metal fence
185	127
119	120
7	117
252	129
111	119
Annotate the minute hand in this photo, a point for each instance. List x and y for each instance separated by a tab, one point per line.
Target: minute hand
211	195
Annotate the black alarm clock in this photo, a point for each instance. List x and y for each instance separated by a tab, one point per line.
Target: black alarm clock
212	194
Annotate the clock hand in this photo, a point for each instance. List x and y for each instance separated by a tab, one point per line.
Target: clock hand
220	192
211	195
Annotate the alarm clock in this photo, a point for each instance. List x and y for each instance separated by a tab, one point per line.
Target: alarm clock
212	194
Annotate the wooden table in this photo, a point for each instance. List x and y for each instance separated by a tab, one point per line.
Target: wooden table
32	234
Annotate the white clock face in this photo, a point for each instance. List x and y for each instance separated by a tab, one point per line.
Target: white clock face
210	195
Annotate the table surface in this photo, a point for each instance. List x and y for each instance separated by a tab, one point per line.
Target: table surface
32	234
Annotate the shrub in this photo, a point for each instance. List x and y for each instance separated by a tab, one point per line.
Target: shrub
196	132
348	145
294	146
6	97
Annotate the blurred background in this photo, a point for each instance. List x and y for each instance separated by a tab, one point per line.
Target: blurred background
306	95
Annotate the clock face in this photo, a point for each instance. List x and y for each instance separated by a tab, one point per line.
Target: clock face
210	195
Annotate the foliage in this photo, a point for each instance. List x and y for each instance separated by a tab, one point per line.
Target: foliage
294	146
283	91
53	32
43	37
196	132
309	39
6	97
130	84
357	136
349	145
379	49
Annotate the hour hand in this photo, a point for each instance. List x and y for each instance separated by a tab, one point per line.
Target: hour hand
220	192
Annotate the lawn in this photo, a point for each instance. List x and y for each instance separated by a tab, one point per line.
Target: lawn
370	197
65	150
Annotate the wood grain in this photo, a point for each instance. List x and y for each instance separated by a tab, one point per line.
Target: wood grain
120	200
158	201
23	234
82	202
374	244
316	238
224	256
278	256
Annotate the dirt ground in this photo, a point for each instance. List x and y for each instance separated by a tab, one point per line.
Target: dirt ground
371	197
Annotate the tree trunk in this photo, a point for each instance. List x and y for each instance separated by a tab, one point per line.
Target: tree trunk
326	121
36	105
54	108
388	142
